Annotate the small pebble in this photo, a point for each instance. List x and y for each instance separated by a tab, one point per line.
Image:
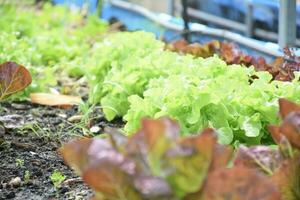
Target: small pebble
20	106
32	153
15	182
78	197
75	118
54	91
62	115
95	129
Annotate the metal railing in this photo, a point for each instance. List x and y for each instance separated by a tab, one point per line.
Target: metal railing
268	48
287	22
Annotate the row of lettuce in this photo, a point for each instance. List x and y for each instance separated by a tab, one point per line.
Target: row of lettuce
137	78
132	76
48	40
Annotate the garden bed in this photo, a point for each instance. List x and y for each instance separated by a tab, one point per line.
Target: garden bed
29	151
181	113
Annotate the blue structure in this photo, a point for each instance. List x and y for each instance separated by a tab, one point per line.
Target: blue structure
266	11
136	21
79	3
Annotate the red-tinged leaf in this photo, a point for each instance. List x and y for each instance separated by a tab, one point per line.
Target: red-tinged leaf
222	156
156	164
277	63
282	141
203	51
261	158
230	53
275	133
82	152
281	69
149	144
13	78
117	139
290	55
103	168
196	49
287	177
286	107
178	46
238	183
155	129
186	165
290	128
287	65
208	136
112	175
154	188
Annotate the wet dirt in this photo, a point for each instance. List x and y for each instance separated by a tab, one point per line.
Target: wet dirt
29	153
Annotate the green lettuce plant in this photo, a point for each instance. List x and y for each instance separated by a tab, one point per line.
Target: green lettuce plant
135	81
215	95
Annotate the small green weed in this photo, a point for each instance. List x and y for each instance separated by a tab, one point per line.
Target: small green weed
19	162
57	178
26	177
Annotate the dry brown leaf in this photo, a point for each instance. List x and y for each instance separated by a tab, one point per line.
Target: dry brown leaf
64	101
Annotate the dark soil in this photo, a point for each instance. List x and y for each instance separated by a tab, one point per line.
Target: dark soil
28	151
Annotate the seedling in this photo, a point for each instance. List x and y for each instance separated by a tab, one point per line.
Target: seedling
26	177
19	162
57	178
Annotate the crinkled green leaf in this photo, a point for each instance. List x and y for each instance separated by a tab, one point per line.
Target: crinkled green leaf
252	125
212	94
225	135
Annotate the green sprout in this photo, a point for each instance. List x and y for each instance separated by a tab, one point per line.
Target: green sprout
57	178
26	177
19	162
